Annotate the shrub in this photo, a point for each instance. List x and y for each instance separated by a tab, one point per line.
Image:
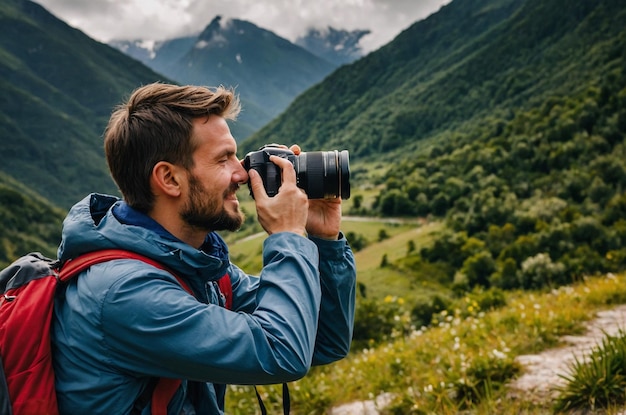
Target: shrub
357	240
506	275
485	374
422	312
539	271
597	382
377	321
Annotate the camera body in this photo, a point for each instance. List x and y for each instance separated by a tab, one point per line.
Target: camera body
321	174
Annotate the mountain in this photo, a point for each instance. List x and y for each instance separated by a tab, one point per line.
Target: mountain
267	71
463	63
57	90
337	46
415	82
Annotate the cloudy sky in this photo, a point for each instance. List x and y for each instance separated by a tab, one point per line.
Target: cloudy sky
106	20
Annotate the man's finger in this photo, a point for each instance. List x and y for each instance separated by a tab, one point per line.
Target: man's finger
258	190
288	173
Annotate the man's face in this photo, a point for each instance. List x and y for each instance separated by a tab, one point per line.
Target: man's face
211	202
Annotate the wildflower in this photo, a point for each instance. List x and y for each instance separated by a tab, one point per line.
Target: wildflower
457	344
416	333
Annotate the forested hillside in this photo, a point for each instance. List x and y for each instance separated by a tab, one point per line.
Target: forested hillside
57	90
471	60
505	118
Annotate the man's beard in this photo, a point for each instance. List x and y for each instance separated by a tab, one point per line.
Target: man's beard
201	210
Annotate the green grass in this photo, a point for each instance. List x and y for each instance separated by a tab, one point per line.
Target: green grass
381	282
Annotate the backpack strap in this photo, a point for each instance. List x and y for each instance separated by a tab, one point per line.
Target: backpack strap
75	266
226	288
163	393
165	388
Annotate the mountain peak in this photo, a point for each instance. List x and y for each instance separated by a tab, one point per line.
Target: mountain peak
337	46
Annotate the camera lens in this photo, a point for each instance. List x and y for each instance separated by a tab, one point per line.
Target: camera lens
324	174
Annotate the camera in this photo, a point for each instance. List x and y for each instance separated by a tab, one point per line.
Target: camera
321	174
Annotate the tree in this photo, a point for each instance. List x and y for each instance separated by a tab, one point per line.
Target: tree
410	247
384	262
478	269
506	276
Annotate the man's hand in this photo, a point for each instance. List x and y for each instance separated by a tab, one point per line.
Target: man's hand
288	210
324	219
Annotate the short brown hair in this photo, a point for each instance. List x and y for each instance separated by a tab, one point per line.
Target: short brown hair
156	125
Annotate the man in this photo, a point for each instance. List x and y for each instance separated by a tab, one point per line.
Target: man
123	323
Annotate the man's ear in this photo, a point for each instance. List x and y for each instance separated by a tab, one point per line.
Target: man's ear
166	179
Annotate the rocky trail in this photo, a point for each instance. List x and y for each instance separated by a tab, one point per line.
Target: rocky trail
542	370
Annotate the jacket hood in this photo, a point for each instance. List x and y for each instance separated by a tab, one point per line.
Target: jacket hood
92	224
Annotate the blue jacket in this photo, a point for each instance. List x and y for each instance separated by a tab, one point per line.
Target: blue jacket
123	322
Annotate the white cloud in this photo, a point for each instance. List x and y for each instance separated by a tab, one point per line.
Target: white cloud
105	20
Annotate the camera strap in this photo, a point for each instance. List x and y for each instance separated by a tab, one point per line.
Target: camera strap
286	400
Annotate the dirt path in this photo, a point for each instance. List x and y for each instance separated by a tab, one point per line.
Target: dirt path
542	370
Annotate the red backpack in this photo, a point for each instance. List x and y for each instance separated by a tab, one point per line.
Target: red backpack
28	288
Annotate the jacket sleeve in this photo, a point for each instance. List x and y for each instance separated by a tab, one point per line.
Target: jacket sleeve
153	327
337	274
338	284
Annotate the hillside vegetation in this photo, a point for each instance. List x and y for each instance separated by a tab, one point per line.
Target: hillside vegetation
501	124
28	222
